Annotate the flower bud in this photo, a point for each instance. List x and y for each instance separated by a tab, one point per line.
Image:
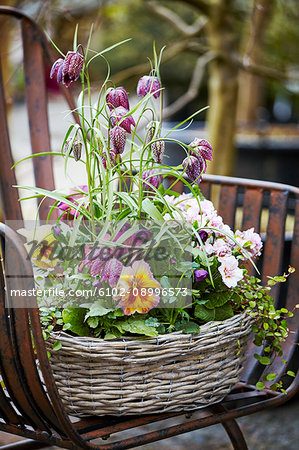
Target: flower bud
118	139
151	179
203	235
57	69
116	117
148	84
200	275
117	97
111	271
193	166
157	149
77	149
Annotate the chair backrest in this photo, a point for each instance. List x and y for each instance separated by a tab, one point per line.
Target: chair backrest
36	52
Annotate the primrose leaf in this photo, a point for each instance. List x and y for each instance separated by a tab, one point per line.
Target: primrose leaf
75	317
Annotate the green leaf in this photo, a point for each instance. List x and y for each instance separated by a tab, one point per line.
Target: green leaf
149	208
265	360
290	373
260	385
56	346
93	322
75	317
97	309
224	312
218	299
204	314
187	327
135	326
271	376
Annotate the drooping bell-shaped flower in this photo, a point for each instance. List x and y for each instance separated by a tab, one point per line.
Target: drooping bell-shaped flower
114	159
151	179
200	275
118	138
194	167
202	148
148	84
116	117
117	97
111	271
68	69
157	149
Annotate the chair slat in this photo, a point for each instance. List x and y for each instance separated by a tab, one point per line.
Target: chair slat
252	208
227	204
205	188
273	250
37	111
9	194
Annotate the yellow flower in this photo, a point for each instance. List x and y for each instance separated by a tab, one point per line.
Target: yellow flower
138	291
40	245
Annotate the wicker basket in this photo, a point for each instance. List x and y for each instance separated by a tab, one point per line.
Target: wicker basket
172	372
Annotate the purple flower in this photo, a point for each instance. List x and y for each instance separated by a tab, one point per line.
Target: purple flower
118	139
96	267
113	157
151	179
157	148
203	235
194	167
148	84
202	148
116	117
57	230
117	97
68	69
69	213
111	271
200	275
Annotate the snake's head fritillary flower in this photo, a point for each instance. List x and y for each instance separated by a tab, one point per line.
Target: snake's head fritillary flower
69	213
72	67
117	97
140	291
111	271
157	149
194	167
114	159
68	69
202	148
118	138
148	84
151	179
200	275
116	118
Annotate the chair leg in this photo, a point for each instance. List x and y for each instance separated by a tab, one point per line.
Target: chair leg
233	430
27	444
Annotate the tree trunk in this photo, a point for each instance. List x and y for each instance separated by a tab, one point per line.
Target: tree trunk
223	88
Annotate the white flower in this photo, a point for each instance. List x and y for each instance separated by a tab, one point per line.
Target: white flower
221	248
230	271
251	239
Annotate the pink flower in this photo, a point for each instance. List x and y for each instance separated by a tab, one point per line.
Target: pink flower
138	290
222	248
251	242
148	84
68	69
117	97
118	138
230	272
69	213
116	117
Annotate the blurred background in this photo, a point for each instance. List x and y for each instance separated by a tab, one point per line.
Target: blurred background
239	57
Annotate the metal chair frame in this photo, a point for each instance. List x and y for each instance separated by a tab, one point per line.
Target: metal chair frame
30	405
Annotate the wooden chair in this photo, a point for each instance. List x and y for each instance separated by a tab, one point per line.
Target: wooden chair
30	405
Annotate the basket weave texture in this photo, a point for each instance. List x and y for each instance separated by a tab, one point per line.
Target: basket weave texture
172	372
